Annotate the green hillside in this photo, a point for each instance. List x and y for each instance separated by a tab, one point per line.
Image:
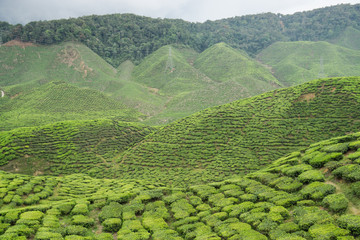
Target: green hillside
245	135
223	63
68	147
168	72
195	81
298	62
24	106
311	194
75	64
350	38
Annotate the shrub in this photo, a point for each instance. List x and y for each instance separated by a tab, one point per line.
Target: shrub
336	202
311	176
355	187
350	172
227	230
11	217
350	222
32	215
339	147
248	197
113	210
48	236
319	160
104	236
241	208
152	224
289	227
317	190
166	234
82	221
305	217
112	224
76	230
182	209
20	229
327	231
65	208
249	234
294	171
80	209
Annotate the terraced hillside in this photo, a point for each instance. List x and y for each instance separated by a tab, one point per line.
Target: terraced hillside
245	135
68	147
298	62
311	194
58	101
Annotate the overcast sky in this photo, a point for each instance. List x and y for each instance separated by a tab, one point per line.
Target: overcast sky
24	11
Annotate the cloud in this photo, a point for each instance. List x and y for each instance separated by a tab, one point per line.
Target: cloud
24	11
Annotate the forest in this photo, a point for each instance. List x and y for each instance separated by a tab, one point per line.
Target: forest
121	37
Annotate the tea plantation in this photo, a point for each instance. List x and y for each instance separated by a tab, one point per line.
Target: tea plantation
245	135
309	194
68	147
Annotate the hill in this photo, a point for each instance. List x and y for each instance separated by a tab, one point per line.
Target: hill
223	63
24	106
349	38
168	71
68	147
193	82
245	135
310	194
74	63
121	37
298	62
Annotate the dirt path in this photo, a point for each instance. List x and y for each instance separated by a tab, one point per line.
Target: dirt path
352	208
2	93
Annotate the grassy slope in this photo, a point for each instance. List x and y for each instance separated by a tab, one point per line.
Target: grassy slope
298	62
350	38
168	71
75	64
221	75
247	134
299	196
57	101
67	147
223	63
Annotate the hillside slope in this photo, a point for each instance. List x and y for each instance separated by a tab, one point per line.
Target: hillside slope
247	134
298	62
26	66
195	81
312	194
223	63
68	147
24	106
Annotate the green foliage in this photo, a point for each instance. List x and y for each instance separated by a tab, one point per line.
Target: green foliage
350	222
298	62
336	202
317	190
236	138
112	224
311	176
327	231
82	221
113	210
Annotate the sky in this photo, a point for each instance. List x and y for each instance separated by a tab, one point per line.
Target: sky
24	11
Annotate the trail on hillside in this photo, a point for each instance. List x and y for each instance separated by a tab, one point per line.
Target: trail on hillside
352	208
2	93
